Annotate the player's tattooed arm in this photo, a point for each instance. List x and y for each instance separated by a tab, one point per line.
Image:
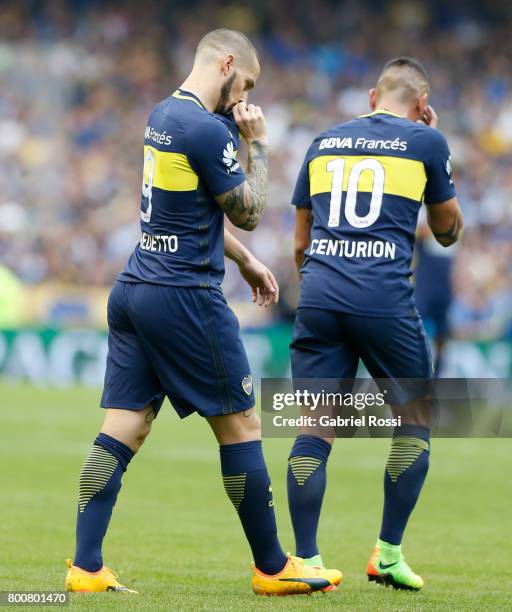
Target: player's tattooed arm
303	225
445	221
244	205
257	179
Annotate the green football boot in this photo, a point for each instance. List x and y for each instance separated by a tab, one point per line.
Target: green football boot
390	568
315	561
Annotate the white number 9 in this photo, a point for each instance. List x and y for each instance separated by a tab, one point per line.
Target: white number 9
149	163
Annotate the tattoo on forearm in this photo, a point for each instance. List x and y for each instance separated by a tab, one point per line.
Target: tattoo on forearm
257	179
245	209
449	237
234	204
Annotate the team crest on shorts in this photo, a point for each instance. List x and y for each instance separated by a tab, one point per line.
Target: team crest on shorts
247	384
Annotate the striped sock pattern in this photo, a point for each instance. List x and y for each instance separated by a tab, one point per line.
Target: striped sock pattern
404	452
303	467
96	472
235	488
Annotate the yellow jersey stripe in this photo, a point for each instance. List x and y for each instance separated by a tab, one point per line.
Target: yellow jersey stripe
178	94
403	177
172	171
381	111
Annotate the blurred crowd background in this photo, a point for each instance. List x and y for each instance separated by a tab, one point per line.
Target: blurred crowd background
78	78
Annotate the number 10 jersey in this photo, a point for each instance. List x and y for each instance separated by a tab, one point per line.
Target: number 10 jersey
365	181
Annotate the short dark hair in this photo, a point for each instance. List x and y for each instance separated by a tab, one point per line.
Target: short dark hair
407	62
224	40
405	77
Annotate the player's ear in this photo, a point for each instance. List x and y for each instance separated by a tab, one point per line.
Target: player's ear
227	64
422	104
372	96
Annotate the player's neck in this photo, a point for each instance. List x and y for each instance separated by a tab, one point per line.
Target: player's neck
392	106
194	85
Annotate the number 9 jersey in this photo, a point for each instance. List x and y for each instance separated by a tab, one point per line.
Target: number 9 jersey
365	181
189	158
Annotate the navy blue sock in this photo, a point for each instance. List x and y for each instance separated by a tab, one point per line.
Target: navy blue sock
247	484
306	487
100	482
405	474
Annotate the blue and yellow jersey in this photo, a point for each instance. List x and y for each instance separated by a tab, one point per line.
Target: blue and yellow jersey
189	158
365	181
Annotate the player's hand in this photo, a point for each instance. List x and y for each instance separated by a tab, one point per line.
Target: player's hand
265	290
250	121
429	117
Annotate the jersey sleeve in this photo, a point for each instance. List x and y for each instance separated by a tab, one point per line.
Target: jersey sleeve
213	154
439	187
229	121
301	195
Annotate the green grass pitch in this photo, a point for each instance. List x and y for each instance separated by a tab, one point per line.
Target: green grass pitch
175	537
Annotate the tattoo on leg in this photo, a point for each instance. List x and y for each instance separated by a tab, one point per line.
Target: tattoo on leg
150	416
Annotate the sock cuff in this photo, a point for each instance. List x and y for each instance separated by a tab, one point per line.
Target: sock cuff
241	458
382	544
120	451
414	431
310	446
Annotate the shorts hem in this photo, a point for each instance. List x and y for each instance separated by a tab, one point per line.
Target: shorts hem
158	400
183	414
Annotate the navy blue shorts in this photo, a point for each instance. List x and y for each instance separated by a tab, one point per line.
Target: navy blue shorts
179	342
329	344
